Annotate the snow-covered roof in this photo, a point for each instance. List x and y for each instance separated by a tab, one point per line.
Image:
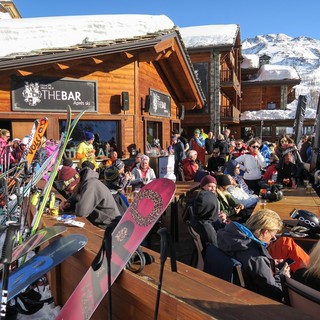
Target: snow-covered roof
209	35
250	61
269	72
26	35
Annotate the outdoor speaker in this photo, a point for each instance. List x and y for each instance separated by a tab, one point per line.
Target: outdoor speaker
181	116
125	100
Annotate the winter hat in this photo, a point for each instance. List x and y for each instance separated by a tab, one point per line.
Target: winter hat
68	176
119	164
207	179
231	166
88	135
197	131
67	162
111	174
144	157
224	180
88	164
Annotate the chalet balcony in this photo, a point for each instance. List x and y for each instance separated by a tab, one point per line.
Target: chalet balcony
229	82
229	114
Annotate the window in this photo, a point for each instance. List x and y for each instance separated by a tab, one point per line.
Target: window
104	131
283	130
154	135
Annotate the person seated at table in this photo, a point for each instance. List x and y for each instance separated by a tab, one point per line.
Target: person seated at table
89	197
206	216
310	274
272	167
233	168
287	171
216	162
137	161
248	244
142	174
117	188
190	165
239	196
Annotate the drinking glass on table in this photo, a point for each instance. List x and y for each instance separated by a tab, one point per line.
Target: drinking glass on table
286	181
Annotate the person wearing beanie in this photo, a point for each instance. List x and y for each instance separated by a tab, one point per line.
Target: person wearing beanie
115	176
143	174
206	217
238	195
88	164
89	197
85	150
19	149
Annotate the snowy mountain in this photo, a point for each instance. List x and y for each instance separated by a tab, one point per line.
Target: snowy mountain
301	53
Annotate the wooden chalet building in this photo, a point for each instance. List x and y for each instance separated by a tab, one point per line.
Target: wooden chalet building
215	51
265	87
133	87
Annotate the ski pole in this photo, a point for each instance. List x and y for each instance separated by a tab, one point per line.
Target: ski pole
164	241
6	260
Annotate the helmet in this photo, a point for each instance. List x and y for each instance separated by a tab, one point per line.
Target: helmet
307	219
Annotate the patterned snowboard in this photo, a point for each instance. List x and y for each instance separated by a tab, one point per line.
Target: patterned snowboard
146	208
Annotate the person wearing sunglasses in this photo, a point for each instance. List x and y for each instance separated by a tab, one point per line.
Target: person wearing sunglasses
252	163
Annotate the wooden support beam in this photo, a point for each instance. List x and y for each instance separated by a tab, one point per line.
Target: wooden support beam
60	66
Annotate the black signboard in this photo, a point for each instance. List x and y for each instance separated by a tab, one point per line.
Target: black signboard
54	95
160	104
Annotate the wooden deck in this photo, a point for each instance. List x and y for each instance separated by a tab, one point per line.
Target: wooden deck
186	294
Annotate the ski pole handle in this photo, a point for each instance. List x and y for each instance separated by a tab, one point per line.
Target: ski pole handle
8	242
164	244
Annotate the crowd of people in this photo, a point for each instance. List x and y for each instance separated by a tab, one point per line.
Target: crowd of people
230	172
234	172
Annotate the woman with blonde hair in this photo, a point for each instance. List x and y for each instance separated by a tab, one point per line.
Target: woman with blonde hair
248	243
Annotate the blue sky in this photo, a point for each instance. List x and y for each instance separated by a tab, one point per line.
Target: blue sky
255	17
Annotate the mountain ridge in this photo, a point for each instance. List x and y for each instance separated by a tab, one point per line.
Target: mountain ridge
301	53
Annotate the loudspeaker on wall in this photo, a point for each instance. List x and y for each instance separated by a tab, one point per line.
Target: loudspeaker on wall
125	100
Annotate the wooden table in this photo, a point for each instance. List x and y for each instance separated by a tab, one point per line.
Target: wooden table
186	294
296	199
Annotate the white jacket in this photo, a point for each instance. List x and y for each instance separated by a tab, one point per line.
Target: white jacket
251	165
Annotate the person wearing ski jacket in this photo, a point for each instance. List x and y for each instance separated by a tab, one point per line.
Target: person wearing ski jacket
6	157
248	244
90	198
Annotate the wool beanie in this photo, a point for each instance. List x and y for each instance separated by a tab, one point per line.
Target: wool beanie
67	162
207	179
145	158
111	173
119	164
68	176
88	135
224	180
87	164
